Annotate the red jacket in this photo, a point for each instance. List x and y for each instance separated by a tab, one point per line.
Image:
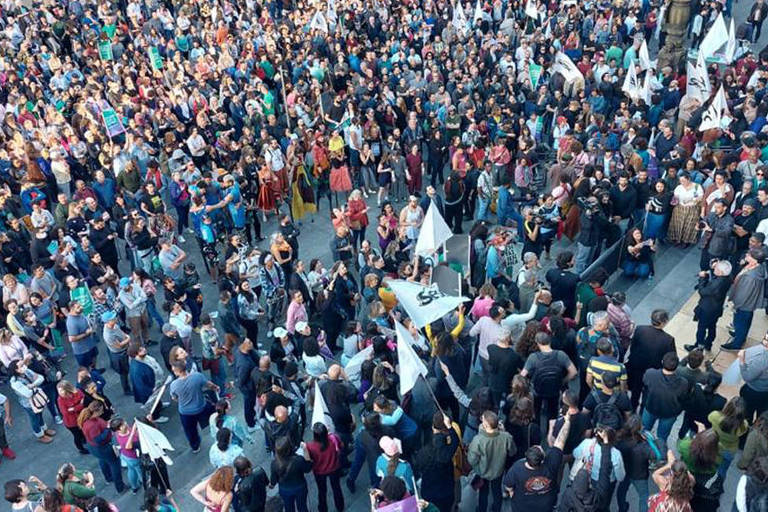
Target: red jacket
325	462
70	408
356	211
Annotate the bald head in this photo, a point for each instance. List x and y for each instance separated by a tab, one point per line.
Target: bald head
264	363
281	414
334	372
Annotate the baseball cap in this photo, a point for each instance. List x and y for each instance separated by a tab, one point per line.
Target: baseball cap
108	315
125	281
279	332
300	326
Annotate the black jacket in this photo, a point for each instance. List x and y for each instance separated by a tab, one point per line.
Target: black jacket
712	294
251	491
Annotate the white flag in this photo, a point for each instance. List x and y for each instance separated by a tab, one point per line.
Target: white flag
715	38
319	22
631	86
408	363
565	66
643	57
355	365
320	413
434	231
478	12
530	9
153	443
717	114
459	18
730	45
646	94
698	84
424	304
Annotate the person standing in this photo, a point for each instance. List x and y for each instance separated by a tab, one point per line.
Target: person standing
117	345
647	347
81	336
99	438
134	300
484	193
713	289
753	363
664	394
250	488
717	240
757	16
194	410
434	464
146	377
487	455
746	296
325	452
246	360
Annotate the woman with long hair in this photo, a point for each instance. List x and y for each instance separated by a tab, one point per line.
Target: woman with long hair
657	211
70	402
702	456
326	452
75	486
685	214
215	492
224	451
730	424
99	442
638	255
526	345
675	487
154	503
287	472
520	424
636	454
390	462
223	419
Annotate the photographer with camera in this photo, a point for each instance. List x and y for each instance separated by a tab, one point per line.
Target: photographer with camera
713	288
592	221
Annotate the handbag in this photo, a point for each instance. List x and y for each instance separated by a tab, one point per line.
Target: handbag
38	400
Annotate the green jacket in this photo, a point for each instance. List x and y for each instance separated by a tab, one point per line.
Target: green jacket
488	453
73	491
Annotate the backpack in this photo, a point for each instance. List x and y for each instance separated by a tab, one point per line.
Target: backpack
658	449
548	377
606	414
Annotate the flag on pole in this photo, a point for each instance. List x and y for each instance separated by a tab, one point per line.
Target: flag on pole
153	443
565	66
424	304
715	38
320	412
730	45
717	114
434	231
698	84
319	22
643	57
646	93
459	18
478	12
355	365
530	9
408	363
631	86
534	72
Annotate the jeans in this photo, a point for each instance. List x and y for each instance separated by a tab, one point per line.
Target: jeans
133	471
641	487
492	486
742	320
706	331
249	404
322	491
182	212
654	226
294	499
665	424
453	217
357	465
482	208
358	235
219	372
154	314
36	421
722	469
635	269
189	423
583	257
109	464
119	363
139	326
88	359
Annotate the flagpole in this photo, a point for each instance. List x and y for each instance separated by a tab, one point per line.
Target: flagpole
432	393
285	98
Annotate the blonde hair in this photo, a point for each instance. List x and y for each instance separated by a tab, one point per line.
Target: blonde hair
94	410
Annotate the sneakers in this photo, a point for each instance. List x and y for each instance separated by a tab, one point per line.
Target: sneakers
135	491
166	404
44	439
196	450
59	420
8	453
730	347
252	429
690	347
161	419
181	239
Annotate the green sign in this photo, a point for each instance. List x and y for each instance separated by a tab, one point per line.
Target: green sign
105	50
82	295
112	122
155	58
534	71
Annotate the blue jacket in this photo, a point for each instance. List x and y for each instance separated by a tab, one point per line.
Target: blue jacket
142	380
105	192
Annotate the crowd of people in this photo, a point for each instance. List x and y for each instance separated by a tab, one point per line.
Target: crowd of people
146	145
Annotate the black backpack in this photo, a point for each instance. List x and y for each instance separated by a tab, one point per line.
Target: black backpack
548	377
607	414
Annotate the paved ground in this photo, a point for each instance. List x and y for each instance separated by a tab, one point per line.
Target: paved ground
671	288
